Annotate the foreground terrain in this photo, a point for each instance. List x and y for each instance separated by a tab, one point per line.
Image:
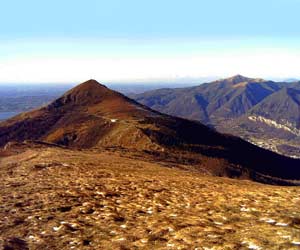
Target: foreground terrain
54	198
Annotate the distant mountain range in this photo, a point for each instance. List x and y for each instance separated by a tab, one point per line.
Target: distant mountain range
91	116
266	113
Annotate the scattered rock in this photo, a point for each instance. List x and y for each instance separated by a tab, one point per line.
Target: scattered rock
15	244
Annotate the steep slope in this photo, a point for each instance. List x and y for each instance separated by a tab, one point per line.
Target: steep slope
81	117
211	102
282	107
276	119
93	116
173	101
263	112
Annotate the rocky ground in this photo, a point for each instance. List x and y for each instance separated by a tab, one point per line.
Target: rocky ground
53	198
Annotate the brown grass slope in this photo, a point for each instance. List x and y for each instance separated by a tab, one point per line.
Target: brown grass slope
54	199
92	116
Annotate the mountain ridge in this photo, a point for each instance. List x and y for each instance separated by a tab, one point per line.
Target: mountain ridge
218	99
227	104
91	116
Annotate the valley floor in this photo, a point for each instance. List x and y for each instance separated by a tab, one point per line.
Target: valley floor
61	199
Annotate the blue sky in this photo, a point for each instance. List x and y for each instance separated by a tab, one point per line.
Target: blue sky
149	19
44	41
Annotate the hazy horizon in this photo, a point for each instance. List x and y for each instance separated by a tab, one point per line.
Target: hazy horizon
181	81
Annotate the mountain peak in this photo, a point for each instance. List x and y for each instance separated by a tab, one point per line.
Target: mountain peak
88	92
239	76
238	79
91	84
98	99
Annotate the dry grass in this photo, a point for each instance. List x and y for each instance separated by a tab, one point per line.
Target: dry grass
62	199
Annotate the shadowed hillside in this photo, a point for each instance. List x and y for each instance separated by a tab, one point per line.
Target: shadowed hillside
210	102
265	113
